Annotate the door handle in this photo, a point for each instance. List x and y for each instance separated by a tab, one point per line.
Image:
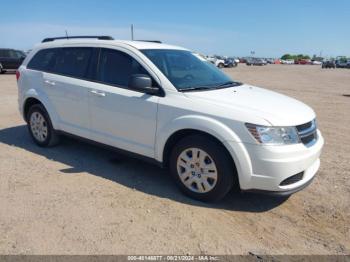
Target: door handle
50	83
97	93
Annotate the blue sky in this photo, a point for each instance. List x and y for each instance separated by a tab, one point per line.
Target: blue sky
228	27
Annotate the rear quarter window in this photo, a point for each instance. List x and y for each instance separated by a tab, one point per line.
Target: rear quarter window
43	60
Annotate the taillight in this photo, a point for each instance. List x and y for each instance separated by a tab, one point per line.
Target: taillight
18	74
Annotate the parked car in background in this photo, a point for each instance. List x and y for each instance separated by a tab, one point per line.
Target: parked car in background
217	60
341	62
328	64
236	59
302	61
10	59
270	60
288	62
243	60
316	62
229	62
255	61
164	104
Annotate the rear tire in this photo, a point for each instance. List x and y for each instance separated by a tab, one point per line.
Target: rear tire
202	168
40	127
1	69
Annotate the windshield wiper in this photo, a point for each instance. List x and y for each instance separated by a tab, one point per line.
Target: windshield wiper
195	88
229	84
199	88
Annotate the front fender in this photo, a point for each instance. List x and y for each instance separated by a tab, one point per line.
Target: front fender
200	123
215	128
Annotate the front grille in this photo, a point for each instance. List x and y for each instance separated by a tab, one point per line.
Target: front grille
308	139
304	126
308	133
292	179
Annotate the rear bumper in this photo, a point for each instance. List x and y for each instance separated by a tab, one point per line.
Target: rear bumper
263	168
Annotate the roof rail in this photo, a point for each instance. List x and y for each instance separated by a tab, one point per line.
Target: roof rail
101	37
152	41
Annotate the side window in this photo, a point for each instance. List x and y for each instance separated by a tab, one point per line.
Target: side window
20	54
116	68
43	60
5	53
73	61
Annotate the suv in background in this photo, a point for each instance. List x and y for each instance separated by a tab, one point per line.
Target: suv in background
10	59
328	64
341	62
165	104
255	61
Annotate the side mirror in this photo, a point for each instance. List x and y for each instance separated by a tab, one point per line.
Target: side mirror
142	83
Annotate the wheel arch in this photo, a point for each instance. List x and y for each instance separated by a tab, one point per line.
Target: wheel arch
32	98
188	125
180	134
28	103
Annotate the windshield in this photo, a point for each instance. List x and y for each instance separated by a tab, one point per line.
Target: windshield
186	71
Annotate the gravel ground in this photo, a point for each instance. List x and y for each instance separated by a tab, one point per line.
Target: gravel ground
80	199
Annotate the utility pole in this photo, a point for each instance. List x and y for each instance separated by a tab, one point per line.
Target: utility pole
132	32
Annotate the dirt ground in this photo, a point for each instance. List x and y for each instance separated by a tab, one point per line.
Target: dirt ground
80	199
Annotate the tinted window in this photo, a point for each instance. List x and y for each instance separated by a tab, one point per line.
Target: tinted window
115	68
43	60
185	70
4	53
73	61
19	54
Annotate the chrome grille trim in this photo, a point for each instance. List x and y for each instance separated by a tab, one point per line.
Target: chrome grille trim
308	133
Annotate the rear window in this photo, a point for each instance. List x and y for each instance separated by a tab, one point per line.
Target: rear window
4	53
73	61
43	60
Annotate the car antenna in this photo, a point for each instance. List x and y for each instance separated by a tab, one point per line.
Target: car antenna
66	34
132	32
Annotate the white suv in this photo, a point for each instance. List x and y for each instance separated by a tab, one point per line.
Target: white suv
164	104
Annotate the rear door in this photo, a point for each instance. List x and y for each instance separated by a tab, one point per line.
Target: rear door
67	85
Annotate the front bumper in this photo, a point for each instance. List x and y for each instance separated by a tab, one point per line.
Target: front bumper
262	168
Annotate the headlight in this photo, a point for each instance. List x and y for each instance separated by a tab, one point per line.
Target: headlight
274	135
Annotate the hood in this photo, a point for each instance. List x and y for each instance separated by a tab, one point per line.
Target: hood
277	109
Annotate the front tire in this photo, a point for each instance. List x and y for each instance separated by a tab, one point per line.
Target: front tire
40	127
202	168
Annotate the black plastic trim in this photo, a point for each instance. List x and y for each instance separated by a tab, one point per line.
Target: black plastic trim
150	41
279	193
112	148
101	37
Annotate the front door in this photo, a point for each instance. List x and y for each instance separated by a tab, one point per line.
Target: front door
121	117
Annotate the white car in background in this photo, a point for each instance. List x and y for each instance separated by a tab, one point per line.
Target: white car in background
287	62
164	104
219	62
235	59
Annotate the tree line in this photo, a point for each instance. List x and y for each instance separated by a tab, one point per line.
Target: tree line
294	57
